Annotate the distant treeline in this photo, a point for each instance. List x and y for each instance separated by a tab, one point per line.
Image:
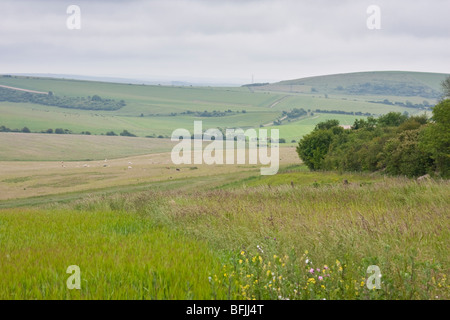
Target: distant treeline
408	104
255	84
49	131
391	89
352	113
393	143
124	133
295	113
206	114
84	103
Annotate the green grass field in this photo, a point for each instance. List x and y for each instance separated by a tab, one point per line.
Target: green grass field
261	244
156	103
296	129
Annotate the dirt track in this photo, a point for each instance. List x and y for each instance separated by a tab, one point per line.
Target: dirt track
19	89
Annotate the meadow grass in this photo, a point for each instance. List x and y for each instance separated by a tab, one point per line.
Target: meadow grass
121	256
307	241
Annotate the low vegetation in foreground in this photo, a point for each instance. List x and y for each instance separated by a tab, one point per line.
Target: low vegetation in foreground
309	240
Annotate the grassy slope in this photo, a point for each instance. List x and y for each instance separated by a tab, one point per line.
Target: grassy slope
261	106
322	83
121	256
397	224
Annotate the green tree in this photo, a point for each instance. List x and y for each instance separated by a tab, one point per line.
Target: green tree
370	123
392	119
446	87
313	148
435	138
327	125
125	133
404	156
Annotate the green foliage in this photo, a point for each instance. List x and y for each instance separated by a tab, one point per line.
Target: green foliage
125	133
446	87
357	113
327	125
366	124
94	103
435	138
295	113
392	119
394	143
313	148
403	156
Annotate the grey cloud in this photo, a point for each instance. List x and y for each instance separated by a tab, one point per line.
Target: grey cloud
276	39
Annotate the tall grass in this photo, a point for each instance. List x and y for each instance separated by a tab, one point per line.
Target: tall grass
279	242
121	256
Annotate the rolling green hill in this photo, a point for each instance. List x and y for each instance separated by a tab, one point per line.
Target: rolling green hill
153	110
386	83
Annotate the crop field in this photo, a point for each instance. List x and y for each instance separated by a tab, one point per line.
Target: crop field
294	130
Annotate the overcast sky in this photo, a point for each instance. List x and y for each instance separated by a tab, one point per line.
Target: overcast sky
223	40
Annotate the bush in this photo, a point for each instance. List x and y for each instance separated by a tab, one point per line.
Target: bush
395	143
125	133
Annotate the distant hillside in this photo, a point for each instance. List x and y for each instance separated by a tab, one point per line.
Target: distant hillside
383	83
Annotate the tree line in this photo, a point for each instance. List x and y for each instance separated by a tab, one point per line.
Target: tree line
394	143
124	133
84	103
